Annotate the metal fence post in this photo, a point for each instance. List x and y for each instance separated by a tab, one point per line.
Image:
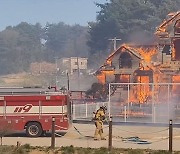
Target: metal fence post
86	110
170	135
1	140
109	102
74	111
125	114
153	104
128	100
110	134
168	95
53	133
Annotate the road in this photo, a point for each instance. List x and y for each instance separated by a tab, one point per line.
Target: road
83	137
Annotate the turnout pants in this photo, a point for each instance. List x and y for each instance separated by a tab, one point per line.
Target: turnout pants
99	130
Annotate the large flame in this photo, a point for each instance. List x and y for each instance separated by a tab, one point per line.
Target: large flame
102	75
140	93
146	53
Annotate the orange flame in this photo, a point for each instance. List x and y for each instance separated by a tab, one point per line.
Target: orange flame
102	76
140	93
176	88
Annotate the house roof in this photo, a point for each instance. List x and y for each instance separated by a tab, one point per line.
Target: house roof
173	17
128	48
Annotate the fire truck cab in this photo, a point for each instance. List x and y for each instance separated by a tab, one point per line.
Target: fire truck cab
32	109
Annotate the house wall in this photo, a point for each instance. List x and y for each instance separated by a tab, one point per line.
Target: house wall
72	64
128	71
135	64
171	39
78	63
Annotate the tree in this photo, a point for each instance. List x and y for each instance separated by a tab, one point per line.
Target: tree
98	91
123	18
19	47
24	44
65	41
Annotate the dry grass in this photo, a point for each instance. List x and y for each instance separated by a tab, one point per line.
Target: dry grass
27	149
25	79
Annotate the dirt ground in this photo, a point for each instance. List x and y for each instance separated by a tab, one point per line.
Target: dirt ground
81	135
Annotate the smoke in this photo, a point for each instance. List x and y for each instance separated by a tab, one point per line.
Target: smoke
164	112
81	82
159	108
142	38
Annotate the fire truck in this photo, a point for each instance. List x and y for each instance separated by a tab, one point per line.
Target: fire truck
32	109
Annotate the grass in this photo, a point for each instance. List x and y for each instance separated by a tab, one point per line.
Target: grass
27	149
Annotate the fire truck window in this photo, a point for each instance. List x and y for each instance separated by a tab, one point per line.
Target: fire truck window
125	60
177	27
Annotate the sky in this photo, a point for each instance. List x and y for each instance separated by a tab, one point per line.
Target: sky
13	12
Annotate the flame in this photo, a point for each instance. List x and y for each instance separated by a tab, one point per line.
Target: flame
163	27
140	93
124	78
146	53
173	51
176	88
102	76
176	79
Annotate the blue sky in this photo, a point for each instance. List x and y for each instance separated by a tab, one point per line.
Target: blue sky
12	12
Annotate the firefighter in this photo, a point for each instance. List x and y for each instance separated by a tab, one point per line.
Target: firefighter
99	119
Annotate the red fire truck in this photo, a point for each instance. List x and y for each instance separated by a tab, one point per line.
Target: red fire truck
32	109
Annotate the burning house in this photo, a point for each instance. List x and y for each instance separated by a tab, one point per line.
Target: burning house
157	63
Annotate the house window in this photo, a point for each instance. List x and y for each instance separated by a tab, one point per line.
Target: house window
177	27
125	60
76	63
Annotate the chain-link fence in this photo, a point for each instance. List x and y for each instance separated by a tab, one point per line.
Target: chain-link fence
136	102
85	109
144	102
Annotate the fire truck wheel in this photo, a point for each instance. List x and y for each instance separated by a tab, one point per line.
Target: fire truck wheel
34	129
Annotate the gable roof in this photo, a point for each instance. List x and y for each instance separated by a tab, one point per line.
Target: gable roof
128	48
168	21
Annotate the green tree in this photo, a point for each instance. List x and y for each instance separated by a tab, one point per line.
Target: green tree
65	41
19	47
25	43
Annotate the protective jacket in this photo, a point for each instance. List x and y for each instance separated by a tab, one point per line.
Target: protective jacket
100	115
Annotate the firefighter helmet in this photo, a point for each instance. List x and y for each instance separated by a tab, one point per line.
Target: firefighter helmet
104	108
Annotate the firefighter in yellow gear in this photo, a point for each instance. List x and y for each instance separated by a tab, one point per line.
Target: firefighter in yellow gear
99	119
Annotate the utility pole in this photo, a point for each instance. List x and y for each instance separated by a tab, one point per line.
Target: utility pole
68	81
114	40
